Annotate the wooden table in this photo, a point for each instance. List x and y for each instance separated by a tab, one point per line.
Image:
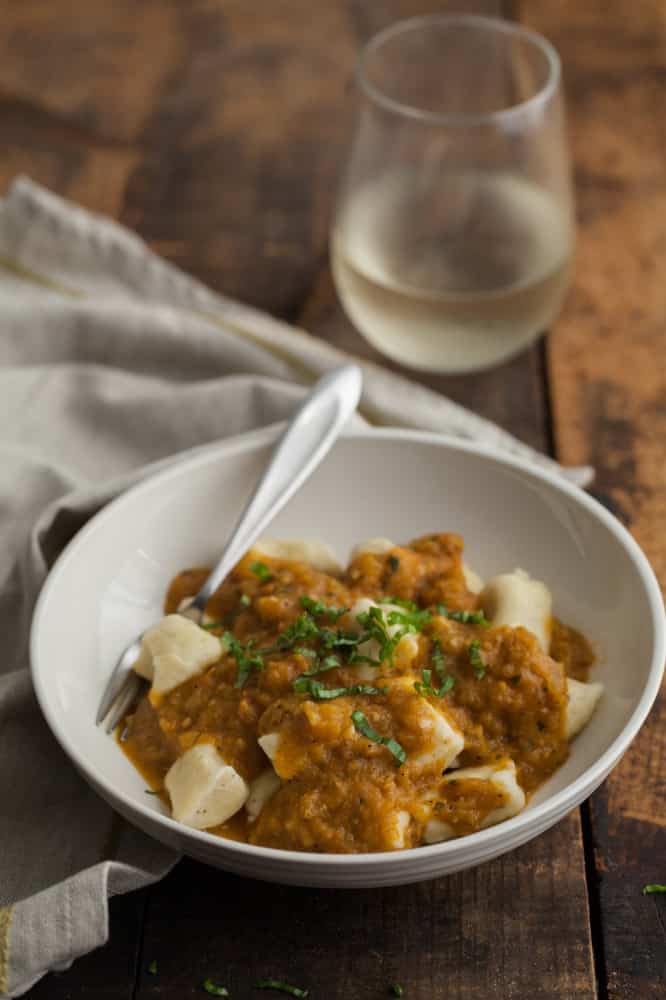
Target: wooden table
216	128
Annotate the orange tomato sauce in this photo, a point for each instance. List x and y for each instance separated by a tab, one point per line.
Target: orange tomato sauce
341	792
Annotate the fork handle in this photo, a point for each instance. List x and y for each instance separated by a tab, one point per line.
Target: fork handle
306	440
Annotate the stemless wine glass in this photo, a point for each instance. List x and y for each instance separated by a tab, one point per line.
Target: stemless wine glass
454	231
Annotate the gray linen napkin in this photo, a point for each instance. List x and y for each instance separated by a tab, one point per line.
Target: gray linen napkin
111	361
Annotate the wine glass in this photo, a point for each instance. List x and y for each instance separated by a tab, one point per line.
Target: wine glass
453	237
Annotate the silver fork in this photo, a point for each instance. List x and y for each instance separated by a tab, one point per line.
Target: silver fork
307	439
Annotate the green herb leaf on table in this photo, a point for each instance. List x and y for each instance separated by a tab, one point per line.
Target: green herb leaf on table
261	571
281	987
474	652
397	990
362	726
652	888
152	968
213	989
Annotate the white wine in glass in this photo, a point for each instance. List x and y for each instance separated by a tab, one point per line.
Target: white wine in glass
452	243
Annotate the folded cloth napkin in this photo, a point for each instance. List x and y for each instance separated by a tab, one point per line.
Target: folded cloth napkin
112	362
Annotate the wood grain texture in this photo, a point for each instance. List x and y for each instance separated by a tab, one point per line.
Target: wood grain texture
608	377
471	936
217	129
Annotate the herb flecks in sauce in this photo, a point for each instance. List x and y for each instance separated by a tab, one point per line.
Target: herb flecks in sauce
475	658
318	608
362	726
246	659
342	789
425	686
319	691
261	571
464	617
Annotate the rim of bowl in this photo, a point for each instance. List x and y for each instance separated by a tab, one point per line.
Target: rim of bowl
541	97
552	808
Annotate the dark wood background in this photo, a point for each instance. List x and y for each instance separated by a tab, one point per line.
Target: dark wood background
216	128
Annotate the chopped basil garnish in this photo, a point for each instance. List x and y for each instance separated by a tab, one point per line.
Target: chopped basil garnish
376	626
437	657
394	563
401	602
152	968
466	617
413	620
245	600
653	887
261	571
334	648
474	652
362	726
316	608
301	630
445	686
425	686
397	990
318	691
215	991
246	659
211	625
149	791
282	987
321	666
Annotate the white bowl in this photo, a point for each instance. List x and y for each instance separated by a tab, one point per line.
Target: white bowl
110	582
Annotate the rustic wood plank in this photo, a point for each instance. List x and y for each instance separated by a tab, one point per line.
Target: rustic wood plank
609	387
483	933
223	153
91	65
